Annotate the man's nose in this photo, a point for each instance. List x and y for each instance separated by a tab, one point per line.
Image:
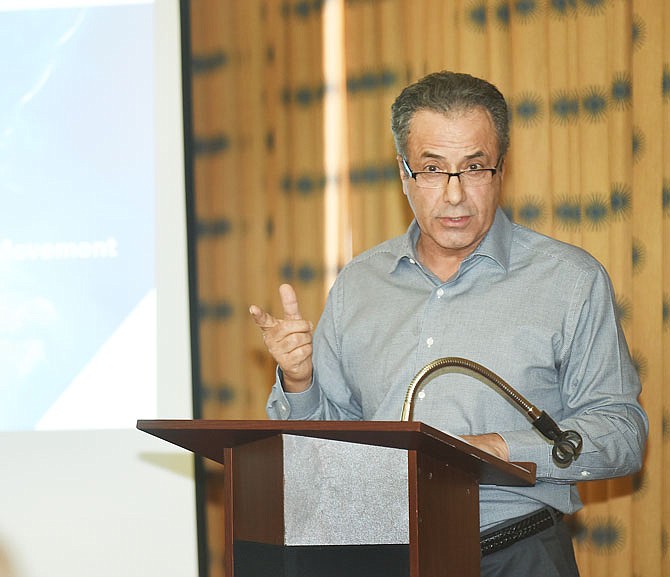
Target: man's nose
453	191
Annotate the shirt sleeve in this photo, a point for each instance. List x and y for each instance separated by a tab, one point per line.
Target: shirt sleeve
599	389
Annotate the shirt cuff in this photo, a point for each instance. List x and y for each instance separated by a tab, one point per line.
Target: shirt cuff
294	406
527	446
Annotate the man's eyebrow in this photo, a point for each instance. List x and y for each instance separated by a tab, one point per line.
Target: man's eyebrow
429	154
478	154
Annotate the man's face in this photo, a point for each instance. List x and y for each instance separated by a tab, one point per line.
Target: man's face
453	219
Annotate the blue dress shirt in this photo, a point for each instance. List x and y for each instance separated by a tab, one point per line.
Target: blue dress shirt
538	312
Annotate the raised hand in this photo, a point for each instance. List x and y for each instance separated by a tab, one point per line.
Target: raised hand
289	340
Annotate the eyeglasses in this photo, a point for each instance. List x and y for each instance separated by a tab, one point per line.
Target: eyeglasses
472	177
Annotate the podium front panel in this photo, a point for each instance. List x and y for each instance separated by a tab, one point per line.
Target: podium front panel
338	493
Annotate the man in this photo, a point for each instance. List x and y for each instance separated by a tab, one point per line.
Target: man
466	282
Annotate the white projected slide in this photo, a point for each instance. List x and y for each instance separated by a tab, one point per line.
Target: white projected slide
94	324
77	288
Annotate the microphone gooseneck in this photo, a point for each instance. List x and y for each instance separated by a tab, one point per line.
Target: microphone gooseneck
567	444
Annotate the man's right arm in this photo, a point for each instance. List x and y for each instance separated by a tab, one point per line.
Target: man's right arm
315	389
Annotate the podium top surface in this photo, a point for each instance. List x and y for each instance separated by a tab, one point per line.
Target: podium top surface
208	438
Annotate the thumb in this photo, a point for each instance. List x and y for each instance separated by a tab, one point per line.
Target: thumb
289	302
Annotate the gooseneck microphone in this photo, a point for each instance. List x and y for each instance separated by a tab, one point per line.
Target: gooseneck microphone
567	444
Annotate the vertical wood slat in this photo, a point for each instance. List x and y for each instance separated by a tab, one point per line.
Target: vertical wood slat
665	207
647	289
620	124
355	48
337	201
594	81
306	160
593	170
563	136
529	89
617	237
229	202
251	379
665	204
370	130
396	214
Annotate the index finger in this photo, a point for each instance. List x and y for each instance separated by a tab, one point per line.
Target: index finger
263	319
289	301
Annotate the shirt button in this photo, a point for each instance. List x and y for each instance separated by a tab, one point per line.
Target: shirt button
586	474
429	341
440	293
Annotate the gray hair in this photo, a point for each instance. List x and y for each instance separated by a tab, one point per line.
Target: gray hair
448	92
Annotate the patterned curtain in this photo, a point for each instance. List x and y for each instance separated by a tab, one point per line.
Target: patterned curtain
295	172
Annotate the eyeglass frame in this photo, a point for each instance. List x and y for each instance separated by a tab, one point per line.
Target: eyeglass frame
493	170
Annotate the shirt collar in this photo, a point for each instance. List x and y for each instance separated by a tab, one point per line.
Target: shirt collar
496	244
405	247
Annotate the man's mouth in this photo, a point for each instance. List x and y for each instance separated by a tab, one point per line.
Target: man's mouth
454	219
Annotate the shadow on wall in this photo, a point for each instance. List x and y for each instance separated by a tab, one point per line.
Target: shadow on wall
7	567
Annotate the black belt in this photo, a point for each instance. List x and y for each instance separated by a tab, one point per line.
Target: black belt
497	539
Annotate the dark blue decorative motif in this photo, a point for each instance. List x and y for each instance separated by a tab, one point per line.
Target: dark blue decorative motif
607	534
594	6
568	212
205	63
220	310
621	91
638	255
526	8
531	212
563	7
502	13
565	106
213	227
596	212
477	15
638	143
620	199
594	103
528	109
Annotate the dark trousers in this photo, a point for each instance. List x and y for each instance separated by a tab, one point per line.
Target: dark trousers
546	554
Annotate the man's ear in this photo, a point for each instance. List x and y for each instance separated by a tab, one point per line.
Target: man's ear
404	177
401	168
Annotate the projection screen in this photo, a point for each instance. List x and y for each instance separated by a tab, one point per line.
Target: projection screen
94	323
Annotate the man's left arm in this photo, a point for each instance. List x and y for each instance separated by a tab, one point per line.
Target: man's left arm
599	394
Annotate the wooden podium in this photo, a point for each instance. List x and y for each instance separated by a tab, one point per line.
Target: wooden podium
271	469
